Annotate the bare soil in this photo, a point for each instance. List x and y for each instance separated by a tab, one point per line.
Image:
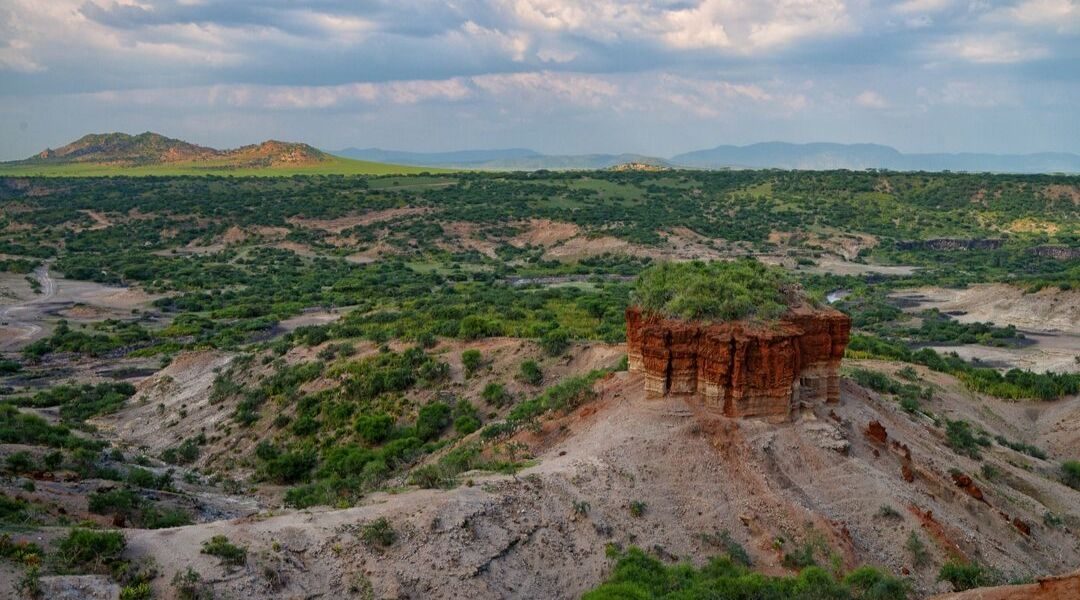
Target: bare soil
542	532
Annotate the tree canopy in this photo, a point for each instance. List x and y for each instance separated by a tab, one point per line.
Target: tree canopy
714	291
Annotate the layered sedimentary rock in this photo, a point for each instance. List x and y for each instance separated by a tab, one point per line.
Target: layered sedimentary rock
739	368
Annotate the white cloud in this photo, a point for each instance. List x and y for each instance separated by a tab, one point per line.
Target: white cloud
922	6
1001	48
871	99
732	26
515	44
546	86
1059	15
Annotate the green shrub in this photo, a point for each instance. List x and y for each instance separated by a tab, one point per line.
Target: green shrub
719	290
495	394
639	576
89	551
1070	473
153	518
471	359
375	428
290	467
189	586
959	437
20	462
120	501
917	549
138	591
555	342
228	553
530	373
868	583
431	420
964	576
378	533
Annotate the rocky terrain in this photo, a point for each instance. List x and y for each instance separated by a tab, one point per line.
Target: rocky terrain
851	480
742	369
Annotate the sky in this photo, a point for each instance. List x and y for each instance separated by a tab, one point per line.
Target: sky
655	77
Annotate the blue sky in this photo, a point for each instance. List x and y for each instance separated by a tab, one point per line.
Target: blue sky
559	76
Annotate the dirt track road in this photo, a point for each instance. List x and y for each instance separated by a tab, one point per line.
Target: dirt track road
9	315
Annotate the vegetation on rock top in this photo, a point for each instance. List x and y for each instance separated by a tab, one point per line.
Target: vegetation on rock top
722	291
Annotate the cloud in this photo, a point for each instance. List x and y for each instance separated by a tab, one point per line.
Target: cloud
871	99
749	65
1002	48
922	6
1062	16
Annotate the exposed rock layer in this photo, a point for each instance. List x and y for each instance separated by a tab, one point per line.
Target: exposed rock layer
739	368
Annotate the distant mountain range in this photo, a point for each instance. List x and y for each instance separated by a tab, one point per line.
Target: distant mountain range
152	153
509	159
769	155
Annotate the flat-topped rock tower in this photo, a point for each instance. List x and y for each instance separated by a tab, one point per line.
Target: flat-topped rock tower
741	368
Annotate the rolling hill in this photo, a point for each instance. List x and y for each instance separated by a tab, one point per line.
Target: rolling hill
820	156
510	159
154	154
769	155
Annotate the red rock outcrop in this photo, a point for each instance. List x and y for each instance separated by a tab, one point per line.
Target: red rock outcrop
739	368
876	431
1066	587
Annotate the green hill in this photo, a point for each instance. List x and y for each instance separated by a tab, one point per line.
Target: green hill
147	154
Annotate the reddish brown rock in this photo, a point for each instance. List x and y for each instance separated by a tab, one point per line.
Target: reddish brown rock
1021	526
1066	587
739	368
876	432
905	471
965	483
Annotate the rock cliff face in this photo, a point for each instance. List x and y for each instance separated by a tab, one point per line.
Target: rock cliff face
739	368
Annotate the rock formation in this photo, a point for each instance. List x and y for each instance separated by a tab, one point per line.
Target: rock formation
740	368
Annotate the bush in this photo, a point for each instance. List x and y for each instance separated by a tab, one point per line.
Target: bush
375	428
964	576
530	373
120	501
20	462
290	467
431	420
378	533
717	291
639	576
466	416
917	549
471	359
555	342
225	551
959	437
85	550
495	394
139	591
1070	473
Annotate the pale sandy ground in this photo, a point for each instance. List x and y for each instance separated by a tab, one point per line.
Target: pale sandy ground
520	536
1046	310
24	316
1050	317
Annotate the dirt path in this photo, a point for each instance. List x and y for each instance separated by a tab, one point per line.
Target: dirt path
100	220
27	330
